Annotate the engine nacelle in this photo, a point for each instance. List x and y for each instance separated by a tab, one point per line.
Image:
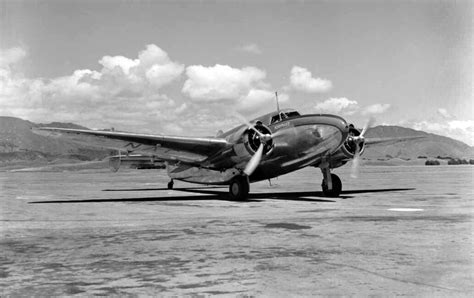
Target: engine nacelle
250	141
348	149
350	145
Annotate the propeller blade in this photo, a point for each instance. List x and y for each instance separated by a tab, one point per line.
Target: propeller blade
246	122
367	125
356	163
279	133
254	161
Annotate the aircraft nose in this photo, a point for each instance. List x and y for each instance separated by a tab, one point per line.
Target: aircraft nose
329	130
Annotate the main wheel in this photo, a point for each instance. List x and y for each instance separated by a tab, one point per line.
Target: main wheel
336	187
239	188
170	184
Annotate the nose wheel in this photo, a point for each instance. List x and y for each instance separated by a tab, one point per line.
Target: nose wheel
331	183
239	188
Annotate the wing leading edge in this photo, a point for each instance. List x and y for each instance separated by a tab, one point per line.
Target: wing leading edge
170	148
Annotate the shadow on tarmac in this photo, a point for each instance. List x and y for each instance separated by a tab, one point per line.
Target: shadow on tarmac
206	193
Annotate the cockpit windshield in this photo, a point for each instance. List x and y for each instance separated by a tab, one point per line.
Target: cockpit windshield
284	115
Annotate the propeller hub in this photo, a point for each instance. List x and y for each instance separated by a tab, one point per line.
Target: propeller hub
266	138
259	134
357	139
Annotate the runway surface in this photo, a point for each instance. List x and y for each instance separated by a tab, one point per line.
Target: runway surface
393	231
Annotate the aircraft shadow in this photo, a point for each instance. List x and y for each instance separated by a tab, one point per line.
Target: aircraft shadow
207	194
162	188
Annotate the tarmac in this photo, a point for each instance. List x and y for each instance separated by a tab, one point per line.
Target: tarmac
393	231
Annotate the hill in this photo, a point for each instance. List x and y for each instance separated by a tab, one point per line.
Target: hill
18	143
20	146
431	145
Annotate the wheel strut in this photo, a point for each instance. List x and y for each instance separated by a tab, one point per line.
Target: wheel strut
331	183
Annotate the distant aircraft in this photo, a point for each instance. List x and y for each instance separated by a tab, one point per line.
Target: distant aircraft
267	147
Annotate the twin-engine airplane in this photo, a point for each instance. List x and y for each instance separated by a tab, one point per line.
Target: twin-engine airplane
269	146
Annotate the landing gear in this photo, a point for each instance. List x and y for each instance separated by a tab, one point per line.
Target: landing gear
239	188
336	187
170	184
331	184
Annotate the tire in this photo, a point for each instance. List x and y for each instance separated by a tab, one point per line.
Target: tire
239	188
336	187
170	185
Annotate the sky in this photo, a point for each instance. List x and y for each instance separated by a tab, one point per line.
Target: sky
186	67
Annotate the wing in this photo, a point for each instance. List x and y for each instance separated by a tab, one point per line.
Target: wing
170	148
373	141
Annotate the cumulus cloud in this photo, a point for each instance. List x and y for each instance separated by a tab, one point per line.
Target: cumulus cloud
444	113
258	98
152	68
243	89
128	93
462	130
221	82
377	108
11	56
444	123
338	105
251	48
302	79
124	90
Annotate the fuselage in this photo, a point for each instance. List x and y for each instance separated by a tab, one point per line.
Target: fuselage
297	141
301	141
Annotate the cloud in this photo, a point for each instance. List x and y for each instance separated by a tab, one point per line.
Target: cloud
128	94
124	91
446	124
251	48
11	56
339	105
302	79
243	89
377	108
444	113
153	68
221	82
258	98
462	130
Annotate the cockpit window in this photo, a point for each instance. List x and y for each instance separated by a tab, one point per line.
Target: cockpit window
284	115
275	118
292	114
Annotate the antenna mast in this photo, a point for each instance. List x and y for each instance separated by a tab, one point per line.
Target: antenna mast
278	106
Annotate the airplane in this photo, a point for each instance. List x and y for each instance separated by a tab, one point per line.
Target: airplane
269	146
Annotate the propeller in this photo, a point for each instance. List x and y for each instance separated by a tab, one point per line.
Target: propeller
257	157
254	161
250	125
357	141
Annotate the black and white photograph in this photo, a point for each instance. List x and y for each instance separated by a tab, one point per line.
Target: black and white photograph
236	148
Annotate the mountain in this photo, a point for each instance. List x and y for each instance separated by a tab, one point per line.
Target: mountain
18	144
431	145
61	125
